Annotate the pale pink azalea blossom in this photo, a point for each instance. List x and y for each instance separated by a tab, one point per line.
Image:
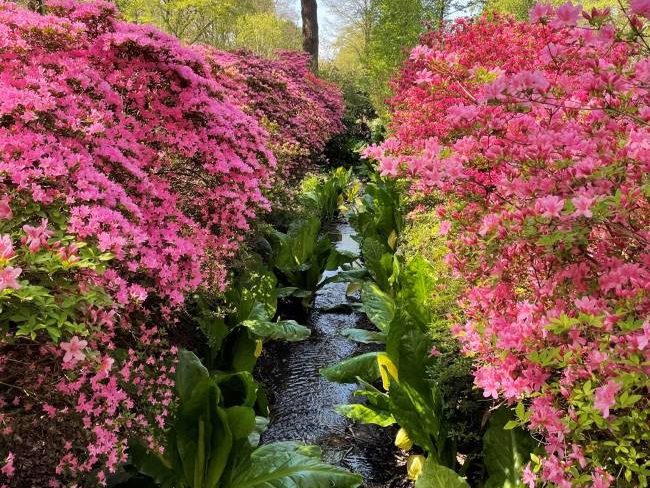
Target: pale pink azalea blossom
74	350
37	237
605	397
567	15
6	247
9	278
444	228
583	206
550	206
5	209
9	469
540	11
424	77
528	477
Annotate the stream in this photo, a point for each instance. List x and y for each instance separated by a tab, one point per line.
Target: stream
303	403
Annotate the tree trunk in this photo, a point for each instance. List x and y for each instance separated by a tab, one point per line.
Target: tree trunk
310	31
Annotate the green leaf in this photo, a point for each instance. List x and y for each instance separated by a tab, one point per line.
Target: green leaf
378	261
189	373
374	396
414	412
286	465
378	306
437	476
347	276
338	258
151	464
364	336
261	424
241	421
366	415
286	330
417	283
215	330
363	366
244	358
506	451
221	444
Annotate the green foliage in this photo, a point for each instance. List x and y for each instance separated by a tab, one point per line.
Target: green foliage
213	441
52	297
225	24
366	415
506	451
410	298
364	366
264	33
436	476
398	27
378	213
345	148
236	324
377	36
324	196
303	254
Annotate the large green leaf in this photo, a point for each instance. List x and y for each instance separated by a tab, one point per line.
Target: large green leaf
237	388
261	424
363	366
241	421
188	374
506	451
286	330
413	411
244	357
379	261
336	259
220	445
437	476
366	415
378	306
350	275
364	336
288	465
304	239
417	282
374	396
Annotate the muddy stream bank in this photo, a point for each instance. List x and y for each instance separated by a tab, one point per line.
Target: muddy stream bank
303	403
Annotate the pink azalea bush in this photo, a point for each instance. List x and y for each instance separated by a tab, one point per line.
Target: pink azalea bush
129	176
301	111
536	137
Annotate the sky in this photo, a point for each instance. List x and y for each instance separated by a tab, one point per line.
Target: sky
328	24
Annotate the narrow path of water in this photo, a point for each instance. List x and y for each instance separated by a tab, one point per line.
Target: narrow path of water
302	403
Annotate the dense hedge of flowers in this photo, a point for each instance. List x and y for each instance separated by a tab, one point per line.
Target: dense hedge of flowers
536	135
129	175
301	111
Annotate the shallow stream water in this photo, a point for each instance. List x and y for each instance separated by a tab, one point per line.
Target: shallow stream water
303	402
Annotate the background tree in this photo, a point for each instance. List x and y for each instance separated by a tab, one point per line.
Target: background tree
225	24
309	12
265	33
377	35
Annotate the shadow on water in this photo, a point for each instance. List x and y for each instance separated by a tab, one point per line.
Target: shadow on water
303	403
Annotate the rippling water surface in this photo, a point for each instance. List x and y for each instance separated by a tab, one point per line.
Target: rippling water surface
303	402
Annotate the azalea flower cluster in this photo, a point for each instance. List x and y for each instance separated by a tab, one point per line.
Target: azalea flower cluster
129	175
301	111
536	137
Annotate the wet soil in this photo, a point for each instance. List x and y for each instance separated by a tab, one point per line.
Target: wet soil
303	403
